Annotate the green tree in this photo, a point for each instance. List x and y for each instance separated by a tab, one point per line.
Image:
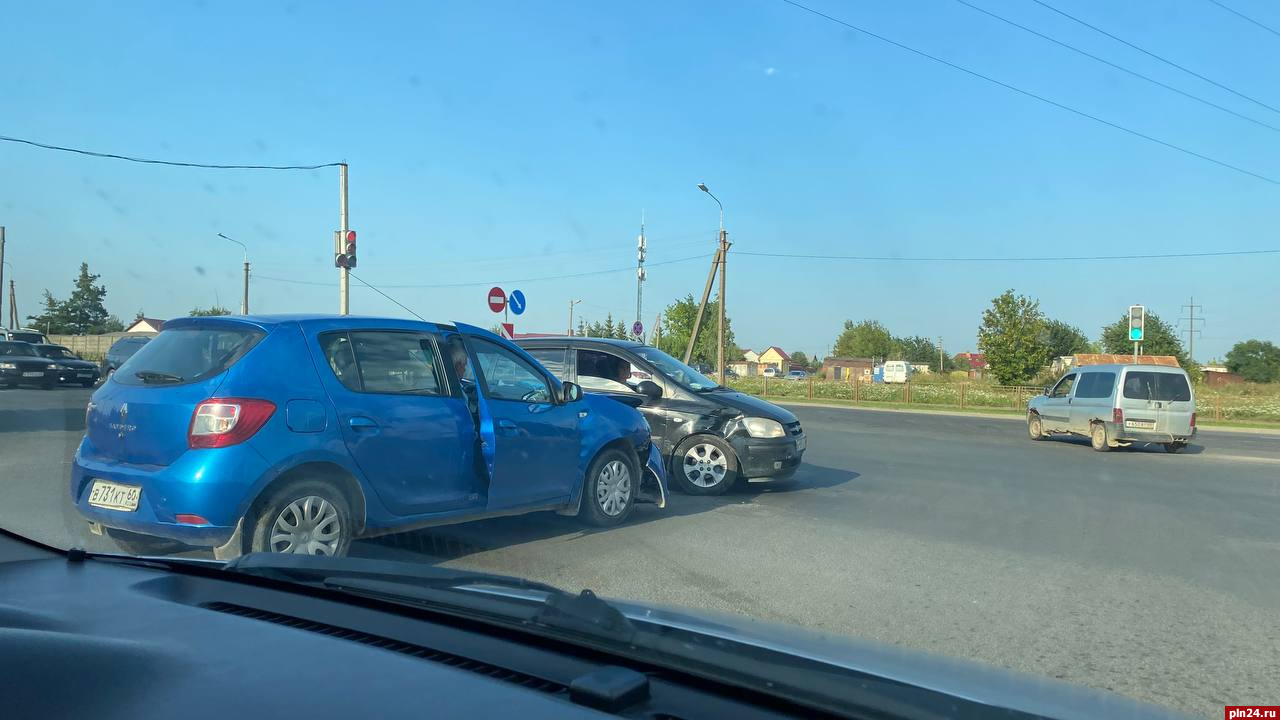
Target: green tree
1255	360
52	319
1159	338
83	313
917	349
84	309
582	328
112	325
865	339
209	311
1011	338
800	360
1063	339
677	326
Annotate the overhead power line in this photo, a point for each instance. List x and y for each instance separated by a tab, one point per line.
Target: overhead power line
1034	96
397	302
566	276
175	163
1164	60
1121	68
1241	15
1059	258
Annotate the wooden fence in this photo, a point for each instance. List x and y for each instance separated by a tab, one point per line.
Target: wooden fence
958	395
91	347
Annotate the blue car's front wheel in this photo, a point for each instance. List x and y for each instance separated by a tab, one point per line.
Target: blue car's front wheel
611	483
304	517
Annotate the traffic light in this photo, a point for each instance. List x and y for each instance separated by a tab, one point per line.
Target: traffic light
344	250
1137	322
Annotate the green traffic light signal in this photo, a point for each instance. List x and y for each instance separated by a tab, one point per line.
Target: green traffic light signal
1135	334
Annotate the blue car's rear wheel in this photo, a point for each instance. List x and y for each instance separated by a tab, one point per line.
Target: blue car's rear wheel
304	517
610	490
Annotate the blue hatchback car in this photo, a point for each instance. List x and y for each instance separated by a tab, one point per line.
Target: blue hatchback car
300	433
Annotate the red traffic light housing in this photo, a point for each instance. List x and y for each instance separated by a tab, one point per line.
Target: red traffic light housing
345	255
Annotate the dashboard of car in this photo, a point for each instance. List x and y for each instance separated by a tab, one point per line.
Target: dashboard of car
86	637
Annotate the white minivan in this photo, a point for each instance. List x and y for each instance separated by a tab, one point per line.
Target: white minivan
1117	406
897	371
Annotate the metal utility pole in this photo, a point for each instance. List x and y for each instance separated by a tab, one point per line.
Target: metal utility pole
1191	326
244	300
722	251
940	364
571	304
1	271
344	273
642	247
13	307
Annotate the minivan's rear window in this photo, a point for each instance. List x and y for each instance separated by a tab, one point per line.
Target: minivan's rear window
1146	385
187	355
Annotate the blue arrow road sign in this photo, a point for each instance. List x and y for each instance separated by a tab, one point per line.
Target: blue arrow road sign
516	302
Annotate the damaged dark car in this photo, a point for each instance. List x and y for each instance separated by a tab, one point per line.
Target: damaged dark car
711	436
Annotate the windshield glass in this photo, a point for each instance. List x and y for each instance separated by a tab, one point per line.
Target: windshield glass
56	353
187	355
17	348
949	326
676	370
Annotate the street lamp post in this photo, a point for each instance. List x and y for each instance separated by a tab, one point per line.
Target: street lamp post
244	300
723	255
571	304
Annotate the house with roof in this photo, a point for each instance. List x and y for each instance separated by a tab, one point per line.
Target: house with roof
776	357
847	369
145	325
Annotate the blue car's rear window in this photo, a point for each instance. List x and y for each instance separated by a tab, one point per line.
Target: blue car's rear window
187	355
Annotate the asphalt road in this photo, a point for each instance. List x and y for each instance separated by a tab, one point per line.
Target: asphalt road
1154	575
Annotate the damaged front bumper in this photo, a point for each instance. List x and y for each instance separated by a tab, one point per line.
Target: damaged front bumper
653	483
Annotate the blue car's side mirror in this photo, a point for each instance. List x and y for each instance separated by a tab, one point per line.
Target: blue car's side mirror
570	392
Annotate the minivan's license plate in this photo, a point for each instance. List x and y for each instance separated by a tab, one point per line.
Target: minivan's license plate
84	374
111	496
1140	424
32	374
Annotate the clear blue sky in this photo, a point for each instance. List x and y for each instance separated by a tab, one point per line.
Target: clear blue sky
500	141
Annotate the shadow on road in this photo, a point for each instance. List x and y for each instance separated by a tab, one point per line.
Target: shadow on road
1136	447
44	419
449	542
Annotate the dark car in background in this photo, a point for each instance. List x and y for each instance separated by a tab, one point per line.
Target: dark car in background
25	335
710	435
21	365
72	369
122	350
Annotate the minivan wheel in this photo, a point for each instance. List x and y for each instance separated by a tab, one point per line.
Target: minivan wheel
610	490
1098	437
304	517
705	465
1035	428
1174	447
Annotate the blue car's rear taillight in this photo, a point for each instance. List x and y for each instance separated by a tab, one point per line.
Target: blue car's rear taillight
219	422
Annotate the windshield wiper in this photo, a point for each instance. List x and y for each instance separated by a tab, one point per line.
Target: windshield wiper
148	376
401	582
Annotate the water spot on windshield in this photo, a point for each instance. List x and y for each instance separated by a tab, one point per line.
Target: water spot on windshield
200	271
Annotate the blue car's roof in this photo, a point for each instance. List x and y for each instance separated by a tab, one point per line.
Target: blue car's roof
313	321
